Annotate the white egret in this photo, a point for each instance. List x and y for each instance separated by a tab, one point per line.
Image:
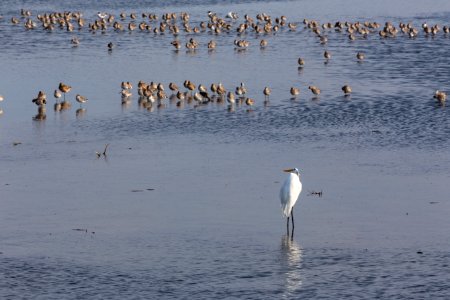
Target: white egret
289	193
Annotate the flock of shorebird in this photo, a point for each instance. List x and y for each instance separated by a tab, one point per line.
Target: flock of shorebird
264	24
41	101
178	23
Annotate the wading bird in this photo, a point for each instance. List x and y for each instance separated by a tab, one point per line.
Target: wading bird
64	88
289	193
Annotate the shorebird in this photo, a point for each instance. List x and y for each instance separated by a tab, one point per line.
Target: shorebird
301	62
232	15
176	44
1	98
263	43
57	95
440	96
41	99
294	91
189	85
181	95
315	90
80	99
213	88
64	88
102	15
212	45
173	87
249	101
347	90
202	88
126	85
221	91
292	26
327	55
360	56
198	97
126	93
266	92
75	41
110	46
231	98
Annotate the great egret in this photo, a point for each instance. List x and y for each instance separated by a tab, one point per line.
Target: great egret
289	193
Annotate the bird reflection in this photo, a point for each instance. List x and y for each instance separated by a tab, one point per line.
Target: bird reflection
80	113
291	258
41	115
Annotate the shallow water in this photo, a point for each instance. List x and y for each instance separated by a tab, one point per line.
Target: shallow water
186	202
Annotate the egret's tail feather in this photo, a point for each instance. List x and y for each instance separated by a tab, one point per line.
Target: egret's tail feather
286	210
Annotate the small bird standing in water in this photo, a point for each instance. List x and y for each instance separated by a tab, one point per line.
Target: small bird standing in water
266	92
360	56
294	91
289	193
80	99
64	88
347	90
440	96
57	95
314	89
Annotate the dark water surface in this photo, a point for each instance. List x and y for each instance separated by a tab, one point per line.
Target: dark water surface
185	205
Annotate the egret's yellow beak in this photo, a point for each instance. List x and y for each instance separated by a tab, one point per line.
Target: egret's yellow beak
288	170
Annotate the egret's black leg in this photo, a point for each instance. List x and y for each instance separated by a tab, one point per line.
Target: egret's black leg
287	226
292	217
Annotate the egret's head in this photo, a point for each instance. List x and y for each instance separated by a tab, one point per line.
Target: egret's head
294	170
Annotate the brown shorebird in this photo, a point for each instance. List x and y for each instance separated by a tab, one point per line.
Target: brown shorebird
176	44
126	85
189	85
315	90
231	98
173	87
440	96
294	91
41	99
64	88
360	56
212	45
213	87
126	93
266	92
301	62
347	90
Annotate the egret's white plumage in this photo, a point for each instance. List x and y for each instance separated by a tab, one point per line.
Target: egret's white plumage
289	193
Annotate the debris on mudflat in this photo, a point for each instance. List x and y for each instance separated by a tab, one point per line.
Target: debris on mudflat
315	193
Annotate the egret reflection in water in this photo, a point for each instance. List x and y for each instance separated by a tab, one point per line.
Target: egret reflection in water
291	260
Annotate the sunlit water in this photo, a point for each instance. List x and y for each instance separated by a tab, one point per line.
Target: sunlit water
185	205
